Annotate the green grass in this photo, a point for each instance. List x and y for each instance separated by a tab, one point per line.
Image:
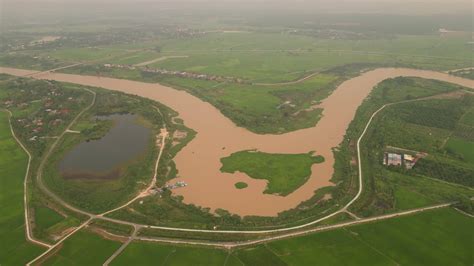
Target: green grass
46	217
407	197
284	172
264	109
84	248
437	237
85	54
259	255
441	237
400	89
115	228
240	185
327	248
134	58
276	57
468	118
147	253
13	160
462	147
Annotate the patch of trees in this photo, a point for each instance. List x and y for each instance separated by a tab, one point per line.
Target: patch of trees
441	116
445	171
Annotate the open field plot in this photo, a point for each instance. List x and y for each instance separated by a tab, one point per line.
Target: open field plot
83	248
13	162
461	147
284	172
31	61
49	224
145	253
276	57
468	118
134	58
85	54
263	66
439	237
431	238
279	57
270	58
47	217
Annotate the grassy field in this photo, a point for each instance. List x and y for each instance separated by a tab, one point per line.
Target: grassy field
134	58
284	172
13	162
468	118
439	237
264	109
114	228
84	248
275	57
462	147
271	57
143	253
47	217
85	54
260	57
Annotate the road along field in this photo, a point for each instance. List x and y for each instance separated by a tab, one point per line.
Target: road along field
13	165
199	162
434	237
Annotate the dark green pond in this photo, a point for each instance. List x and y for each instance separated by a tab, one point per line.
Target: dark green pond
102	158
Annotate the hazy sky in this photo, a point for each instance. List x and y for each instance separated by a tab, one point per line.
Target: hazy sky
356	6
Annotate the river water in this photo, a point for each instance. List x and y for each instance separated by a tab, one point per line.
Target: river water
199	162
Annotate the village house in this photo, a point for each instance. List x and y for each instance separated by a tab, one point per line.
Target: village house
392	159
400	159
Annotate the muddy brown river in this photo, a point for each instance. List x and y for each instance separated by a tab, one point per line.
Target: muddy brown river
199	162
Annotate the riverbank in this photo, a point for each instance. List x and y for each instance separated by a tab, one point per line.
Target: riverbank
199	162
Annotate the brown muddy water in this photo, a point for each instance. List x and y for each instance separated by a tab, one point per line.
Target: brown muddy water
102	158
199	162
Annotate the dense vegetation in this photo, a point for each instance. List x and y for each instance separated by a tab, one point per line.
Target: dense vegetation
284	172
423	126
241	185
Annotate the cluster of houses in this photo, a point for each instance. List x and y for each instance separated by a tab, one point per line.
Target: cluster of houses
51	113
178	184
400	159
182	74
